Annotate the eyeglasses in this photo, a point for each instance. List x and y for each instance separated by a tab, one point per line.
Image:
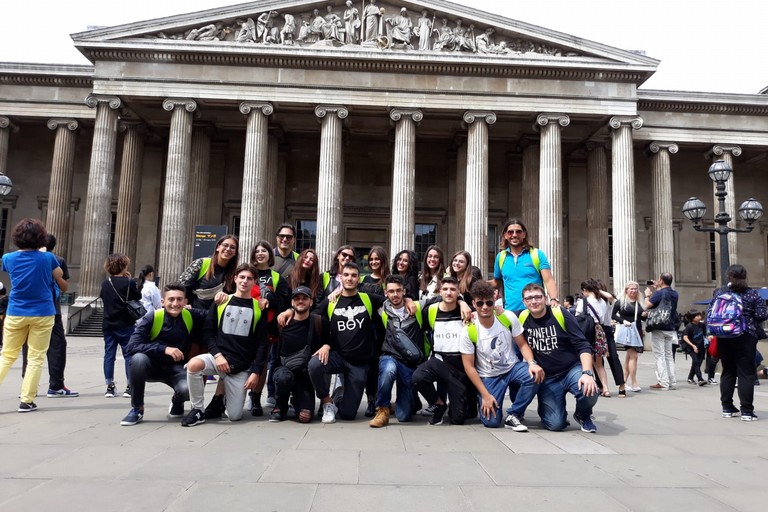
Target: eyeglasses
532	298
515	231
346	255
285	237
228	246
486	303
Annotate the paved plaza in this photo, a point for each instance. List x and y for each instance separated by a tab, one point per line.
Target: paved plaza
653	451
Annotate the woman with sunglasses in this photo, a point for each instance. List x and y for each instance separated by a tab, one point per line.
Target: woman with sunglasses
331	280
205	277
406	264
432	272
465	273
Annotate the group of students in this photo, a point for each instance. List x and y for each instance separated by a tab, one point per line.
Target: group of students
436	334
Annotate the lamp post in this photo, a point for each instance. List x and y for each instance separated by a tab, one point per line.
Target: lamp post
694	210
6	185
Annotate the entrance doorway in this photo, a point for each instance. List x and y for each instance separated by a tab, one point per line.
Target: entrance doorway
362	238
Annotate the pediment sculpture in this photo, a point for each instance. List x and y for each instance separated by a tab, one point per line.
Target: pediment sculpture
369	25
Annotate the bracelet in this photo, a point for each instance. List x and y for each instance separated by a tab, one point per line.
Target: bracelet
532	361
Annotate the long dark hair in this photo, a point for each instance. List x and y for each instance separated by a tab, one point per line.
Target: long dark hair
335	264
526	243
426	276
466	279
229	270
145	271
383	258
737	278
299	276
266	245
413	263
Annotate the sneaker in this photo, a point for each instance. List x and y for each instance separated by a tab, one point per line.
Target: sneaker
428	411
748	417
110	393
381	419
133	417
270	402
127	392
731	413
176	409
195	417
702	383
256	408
437	416
711	381
586	423
27	407
691	381
515	424
329	412
635	389
276	416
215	408
63	392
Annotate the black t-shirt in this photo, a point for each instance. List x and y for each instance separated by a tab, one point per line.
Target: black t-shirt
695	333
243	346
555	350
297	334
352	327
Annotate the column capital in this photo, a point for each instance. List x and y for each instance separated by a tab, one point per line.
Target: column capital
187	104
322	110
720	149
470	116
124	126
544	119
70	124
635	122
592	145
397	113
527	141
6	122
656	146
247	107
93	101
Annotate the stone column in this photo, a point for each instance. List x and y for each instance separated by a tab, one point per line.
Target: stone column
198	183
662	241
253	212
460	142
551	239
476	214
598	206
726	153
173	230
129	193
623	200
273	155
403	212
6	127
530	186
60	189
330	182
98	202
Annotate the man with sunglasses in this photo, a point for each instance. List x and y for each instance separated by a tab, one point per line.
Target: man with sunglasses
518	264
285	256
491	362
564	353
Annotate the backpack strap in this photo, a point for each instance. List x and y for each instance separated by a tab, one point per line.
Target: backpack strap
557	312
204	268
326	279
366	302
502	257
159	318
256	311
472	328
432	315
384	317
536	259
275	279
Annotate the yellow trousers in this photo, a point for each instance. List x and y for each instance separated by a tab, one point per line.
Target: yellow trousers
36	332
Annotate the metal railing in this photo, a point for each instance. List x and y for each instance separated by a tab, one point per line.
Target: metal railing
96	303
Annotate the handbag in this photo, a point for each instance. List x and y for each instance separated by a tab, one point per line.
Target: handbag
406	349
662	317
628	335
135	308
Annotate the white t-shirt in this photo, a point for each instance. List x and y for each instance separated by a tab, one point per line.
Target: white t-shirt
495	352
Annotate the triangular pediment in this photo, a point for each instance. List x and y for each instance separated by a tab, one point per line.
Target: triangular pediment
434	29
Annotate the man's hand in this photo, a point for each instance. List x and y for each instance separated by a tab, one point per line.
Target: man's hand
410	306
253	380
587	385
219	297
263	304
488	406
334	295
222	364
285	318
174	353
695	349
322	353
466	312
536	372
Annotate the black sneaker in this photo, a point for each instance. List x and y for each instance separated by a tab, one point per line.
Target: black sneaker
276	416
256	408
370	412
730	412
27	407
514	423
127	392
176	410
437	416
428	411
133	417
195	417
110	392
215	408
586	423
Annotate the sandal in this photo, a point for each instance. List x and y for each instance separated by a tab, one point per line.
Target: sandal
606	394
622	393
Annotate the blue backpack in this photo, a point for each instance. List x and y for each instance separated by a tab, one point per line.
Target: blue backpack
725	317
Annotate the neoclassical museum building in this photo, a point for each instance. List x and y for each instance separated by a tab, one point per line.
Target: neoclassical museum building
395	123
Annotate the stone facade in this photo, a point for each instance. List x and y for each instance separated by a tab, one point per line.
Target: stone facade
231	117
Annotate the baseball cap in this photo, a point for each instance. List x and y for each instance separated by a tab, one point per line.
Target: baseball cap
302	290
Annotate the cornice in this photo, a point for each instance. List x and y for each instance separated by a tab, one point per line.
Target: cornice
62	75
702	102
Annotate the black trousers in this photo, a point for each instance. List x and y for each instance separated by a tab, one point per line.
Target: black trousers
613	357
354	382
448	377
143	369
696	360
299	384
737	355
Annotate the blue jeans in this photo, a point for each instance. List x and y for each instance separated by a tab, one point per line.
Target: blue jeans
552	399
391	370
111	340
497	386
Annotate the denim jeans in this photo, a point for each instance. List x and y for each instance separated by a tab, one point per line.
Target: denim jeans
497	386
552	399
111	340
391	370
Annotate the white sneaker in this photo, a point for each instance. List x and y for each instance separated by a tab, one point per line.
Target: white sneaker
329	413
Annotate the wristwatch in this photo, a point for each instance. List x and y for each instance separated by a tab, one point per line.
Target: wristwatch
588	372
532	361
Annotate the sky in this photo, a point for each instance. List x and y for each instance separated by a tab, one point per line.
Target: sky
703	45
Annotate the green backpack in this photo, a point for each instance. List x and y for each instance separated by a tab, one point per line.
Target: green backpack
157	322
256	312
534	252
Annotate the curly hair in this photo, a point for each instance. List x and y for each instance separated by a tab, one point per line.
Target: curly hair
116	263
413	263
29	234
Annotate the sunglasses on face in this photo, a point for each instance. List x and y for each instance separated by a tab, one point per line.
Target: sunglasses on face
346	255
285	237
486	303
515	231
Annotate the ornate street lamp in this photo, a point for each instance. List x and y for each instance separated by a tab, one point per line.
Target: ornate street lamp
694	210
6	185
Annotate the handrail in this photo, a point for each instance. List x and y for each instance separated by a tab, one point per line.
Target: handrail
79	312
